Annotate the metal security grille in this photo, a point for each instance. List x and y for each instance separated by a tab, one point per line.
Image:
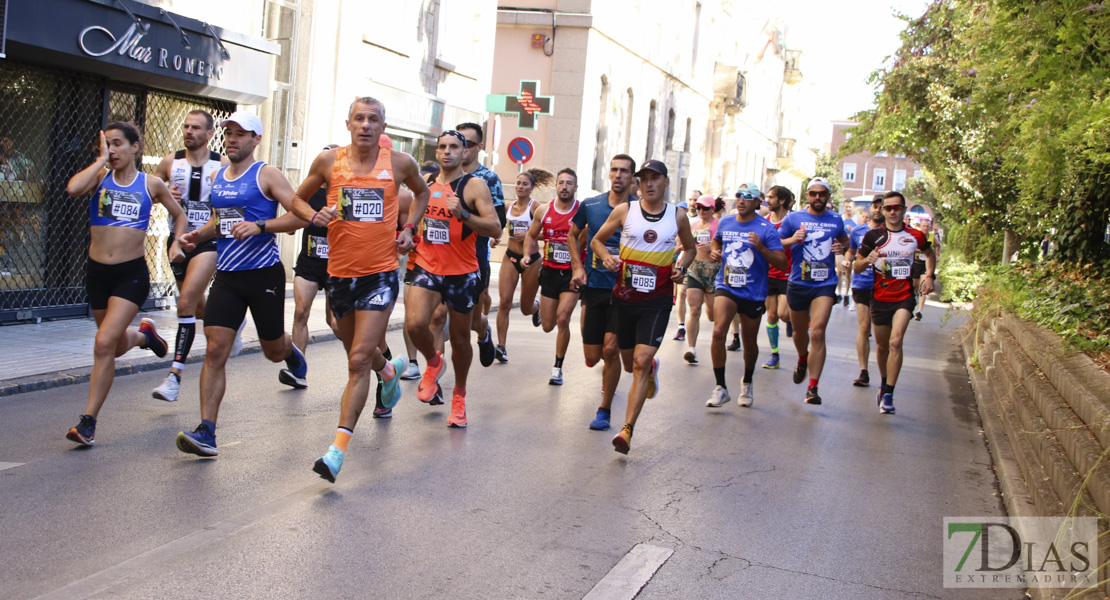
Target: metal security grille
159	116
48	122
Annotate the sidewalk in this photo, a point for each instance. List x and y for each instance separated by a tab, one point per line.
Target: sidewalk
55	353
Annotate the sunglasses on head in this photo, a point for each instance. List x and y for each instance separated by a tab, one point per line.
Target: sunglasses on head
458	135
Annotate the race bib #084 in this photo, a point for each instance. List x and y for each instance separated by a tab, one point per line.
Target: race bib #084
121	205
227	217
436	231
640	277
363	204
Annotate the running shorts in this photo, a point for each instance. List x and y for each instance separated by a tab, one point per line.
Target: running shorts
376	291
129	280
260	290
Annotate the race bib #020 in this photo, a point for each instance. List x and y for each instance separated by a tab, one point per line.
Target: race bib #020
363	204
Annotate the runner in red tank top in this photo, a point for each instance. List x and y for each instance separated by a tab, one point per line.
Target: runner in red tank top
361	217
558	294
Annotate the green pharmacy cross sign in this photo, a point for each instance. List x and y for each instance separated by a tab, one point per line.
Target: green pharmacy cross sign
526	105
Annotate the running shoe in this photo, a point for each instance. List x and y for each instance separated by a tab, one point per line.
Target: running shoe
852	307
719	398
501	354
154	342
391	390
837	301
799	373
601	421
886	407
437	398
84	432
811	396
772	363
623	441
328	465
691	355
556	376
412	372
486	351
918	317
381	412
681	335
169	390
295	376
863	380
237	345
653	383
845	299
735	345
201	442
746	397
879	396
457	418
536	315
429	382
789	329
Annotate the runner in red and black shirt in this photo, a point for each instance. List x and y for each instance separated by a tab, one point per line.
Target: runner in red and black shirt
889	252
779	200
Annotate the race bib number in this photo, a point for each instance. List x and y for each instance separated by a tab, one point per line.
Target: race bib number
197	213
437	231
121	205
736	277
363	204
518	229
227	217
614	250
640	277
815	271
557	252
318	246
702	237
896	268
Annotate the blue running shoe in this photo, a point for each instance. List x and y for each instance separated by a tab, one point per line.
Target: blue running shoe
296	374
601	421
201	442
84	432
886	407
391	390
328	465
773	363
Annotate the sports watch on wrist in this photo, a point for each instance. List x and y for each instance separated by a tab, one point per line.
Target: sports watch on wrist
261	225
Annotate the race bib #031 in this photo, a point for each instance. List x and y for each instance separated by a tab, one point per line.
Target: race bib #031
227	217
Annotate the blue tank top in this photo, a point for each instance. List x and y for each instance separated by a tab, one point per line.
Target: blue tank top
242	200
113	205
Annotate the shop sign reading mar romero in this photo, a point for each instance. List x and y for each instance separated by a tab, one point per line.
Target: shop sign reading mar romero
128	45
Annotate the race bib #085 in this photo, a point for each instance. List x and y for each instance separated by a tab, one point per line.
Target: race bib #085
640	277
362	204
815	271
436	231
702	237
227	217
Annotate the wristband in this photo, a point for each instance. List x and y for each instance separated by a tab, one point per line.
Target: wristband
409	226
312	221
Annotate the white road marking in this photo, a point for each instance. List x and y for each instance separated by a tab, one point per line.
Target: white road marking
4	465
631	574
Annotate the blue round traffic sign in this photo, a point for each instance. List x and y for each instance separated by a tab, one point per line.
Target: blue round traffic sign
521	150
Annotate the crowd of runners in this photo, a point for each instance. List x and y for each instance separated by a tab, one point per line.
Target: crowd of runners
375	222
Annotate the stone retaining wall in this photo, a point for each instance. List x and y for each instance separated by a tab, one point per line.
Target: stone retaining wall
1046	415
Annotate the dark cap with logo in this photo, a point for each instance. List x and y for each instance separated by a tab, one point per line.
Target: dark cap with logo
653	165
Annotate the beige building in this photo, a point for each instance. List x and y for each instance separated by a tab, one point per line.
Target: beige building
866	174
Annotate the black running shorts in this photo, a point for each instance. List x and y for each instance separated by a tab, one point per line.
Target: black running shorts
862	296
129	280
642	323
776	287
752	309
312	269
882	313
179	268
599	317
260	290
554	282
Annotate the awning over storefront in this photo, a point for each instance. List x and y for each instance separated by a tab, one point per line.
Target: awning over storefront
145	46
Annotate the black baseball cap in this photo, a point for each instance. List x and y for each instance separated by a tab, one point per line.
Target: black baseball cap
653	165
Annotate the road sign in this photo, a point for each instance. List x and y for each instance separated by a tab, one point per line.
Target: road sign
521	150
526	105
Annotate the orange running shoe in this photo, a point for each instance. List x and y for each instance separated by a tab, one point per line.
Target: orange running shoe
623	440
429	383
458	412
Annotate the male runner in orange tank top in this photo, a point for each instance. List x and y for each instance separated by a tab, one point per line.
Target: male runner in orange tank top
361	217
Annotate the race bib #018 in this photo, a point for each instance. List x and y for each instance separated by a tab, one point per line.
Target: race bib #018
436	231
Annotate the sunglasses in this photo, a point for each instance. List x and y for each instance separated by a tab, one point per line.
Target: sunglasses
700	207
893	207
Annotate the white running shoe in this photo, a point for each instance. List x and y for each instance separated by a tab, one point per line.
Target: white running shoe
691	355
237	345
719	398
852	307
412	372
746	398
556	376
169	389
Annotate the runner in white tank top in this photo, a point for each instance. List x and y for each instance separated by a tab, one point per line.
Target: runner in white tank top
512	271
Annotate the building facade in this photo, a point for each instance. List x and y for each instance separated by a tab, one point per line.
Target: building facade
868	174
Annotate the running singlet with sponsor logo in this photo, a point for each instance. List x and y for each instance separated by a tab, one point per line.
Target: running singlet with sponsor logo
236	201
591	215
445	246
556	226
647	254
893	278
864	280
812	261
195	184
364	233
518	225
744	270
773	272
114	205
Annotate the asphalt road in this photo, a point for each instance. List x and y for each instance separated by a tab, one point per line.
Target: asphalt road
781	500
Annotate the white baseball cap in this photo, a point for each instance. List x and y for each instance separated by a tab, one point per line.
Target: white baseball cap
821	181
246	120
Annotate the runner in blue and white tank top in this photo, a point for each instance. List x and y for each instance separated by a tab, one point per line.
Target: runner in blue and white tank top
249	275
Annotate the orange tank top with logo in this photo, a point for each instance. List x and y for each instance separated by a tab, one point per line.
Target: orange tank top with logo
446	245
363	235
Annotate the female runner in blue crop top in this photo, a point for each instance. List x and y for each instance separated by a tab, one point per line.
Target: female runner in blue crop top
117	280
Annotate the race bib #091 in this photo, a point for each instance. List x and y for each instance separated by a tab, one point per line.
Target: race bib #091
640	277
896	268
227	217
736	277
436	231
815	271
363	204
